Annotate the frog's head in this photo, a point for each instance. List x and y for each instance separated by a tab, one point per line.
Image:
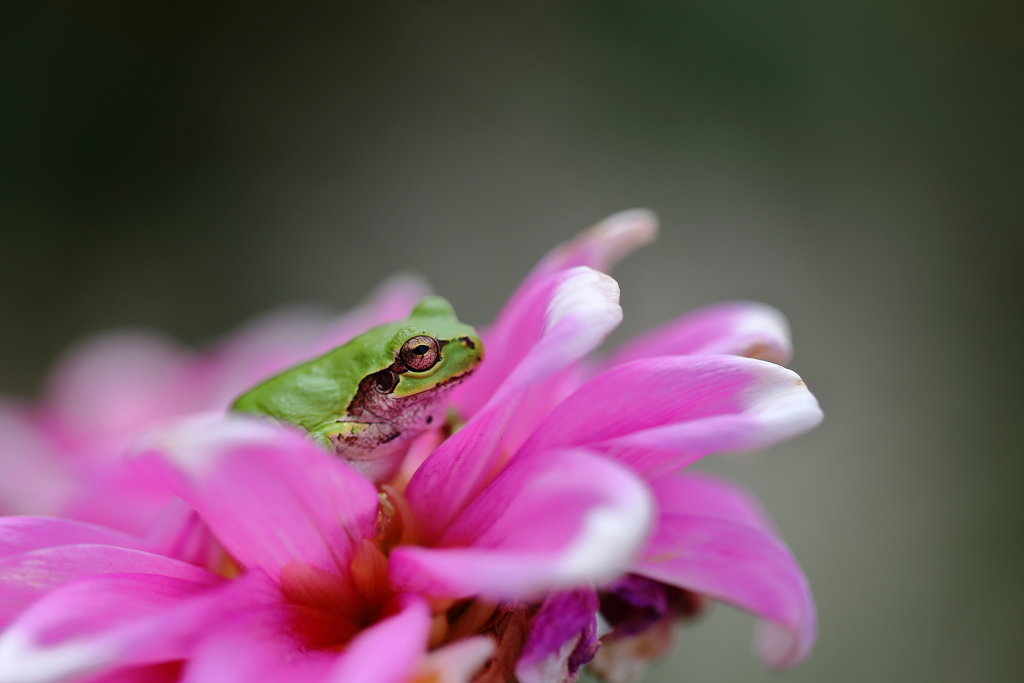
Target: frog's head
432	349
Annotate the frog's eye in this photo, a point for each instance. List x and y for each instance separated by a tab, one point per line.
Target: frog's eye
420	353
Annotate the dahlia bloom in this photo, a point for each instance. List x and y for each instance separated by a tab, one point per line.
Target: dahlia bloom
555	515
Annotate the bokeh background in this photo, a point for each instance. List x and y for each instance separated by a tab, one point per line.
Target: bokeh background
858	164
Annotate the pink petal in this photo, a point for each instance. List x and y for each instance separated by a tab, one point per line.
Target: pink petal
704	495
457	662
113	620
507	341
110	386
34	478
256	647
22	534
730	555
268	493
738	328
26	576
564	317
165	672
553	321
659	414
603	245
541	399
180	532
561	520
387	652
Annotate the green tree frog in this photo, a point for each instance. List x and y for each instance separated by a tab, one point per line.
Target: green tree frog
368	399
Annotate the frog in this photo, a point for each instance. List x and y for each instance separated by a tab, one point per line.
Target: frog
367	400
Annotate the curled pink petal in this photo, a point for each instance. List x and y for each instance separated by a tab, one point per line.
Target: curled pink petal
564	519
26	576
563	318
113	620
603	245
268	493
738	328
387	652
557	319
733	557
659	414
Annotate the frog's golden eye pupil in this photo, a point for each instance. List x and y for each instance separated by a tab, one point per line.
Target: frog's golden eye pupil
420	353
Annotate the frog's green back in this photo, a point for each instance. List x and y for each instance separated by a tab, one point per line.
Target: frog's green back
318	391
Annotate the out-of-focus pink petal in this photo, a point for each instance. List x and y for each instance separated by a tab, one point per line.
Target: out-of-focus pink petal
564	317
34	479
116	496
659	414
563	637
387	652
561	520
732	555
257	646
736	328
22	534
455	663
26	576
393	300
261	348
109	386
268	493
603	245
111	620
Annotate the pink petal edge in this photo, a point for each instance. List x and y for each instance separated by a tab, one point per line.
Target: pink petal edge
659	414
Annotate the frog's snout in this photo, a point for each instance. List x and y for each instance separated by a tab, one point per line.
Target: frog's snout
467	342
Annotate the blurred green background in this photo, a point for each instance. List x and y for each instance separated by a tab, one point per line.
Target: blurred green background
860	165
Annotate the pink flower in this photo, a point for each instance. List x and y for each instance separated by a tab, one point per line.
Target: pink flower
63	456
561	480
